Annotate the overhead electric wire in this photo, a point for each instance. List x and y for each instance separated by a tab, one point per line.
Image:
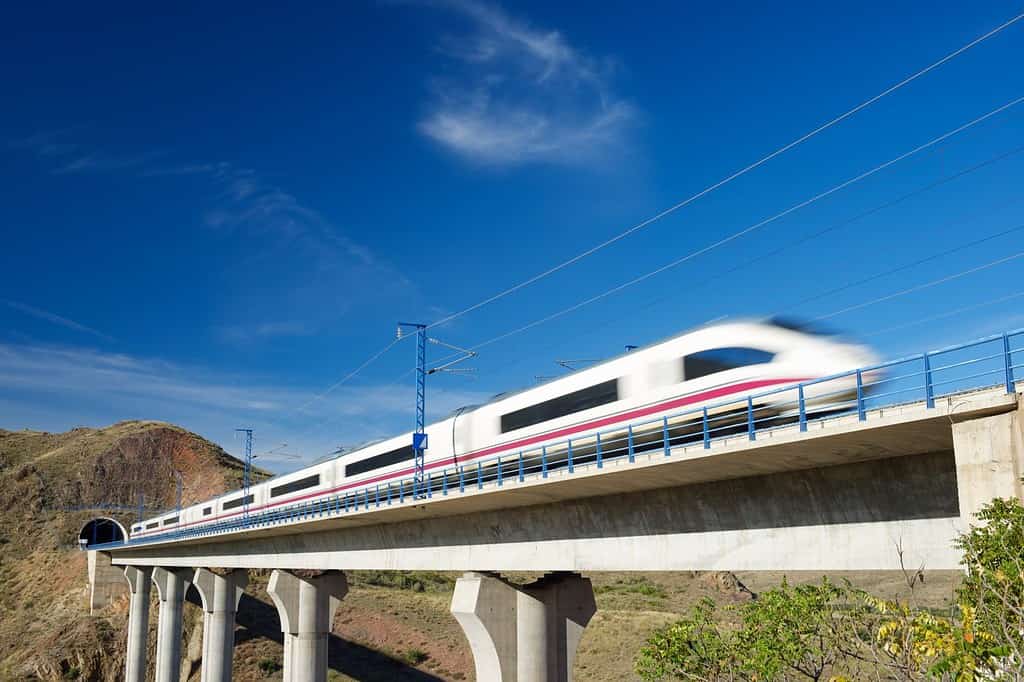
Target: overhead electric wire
711	188
949	313
842	223
920	287
337	384
751	228
900	268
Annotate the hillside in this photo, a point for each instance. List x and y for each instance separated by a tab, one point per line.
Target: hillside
391	626
46	631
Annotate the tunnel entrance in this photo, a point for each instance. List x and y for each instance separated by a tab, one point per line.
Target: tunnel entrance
101	530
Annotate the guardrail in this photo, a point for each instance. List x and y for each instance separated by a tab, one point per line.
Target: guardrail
981	364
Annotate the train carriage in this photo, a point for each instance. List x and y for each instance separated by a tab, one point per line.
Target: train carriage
649	397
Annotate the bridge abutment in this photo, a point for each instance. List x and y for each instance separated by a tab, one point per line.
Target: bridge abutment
171	584
989	453
528	632
220	595
138	622
106	581
306	607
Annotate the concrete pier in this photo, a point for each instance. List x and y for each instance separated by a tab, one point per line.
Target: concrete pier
306	607
527	634
139	578
220	595
989	454
171	585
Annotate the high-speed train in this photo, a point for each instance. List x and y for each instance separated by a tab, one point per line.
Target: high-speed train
651	396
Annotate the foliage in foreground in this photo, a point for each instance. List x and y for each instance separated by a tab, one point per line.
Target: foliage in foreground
839	633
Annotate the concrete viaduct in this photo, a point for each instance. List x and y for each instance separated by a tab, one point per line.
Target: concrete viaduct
841	495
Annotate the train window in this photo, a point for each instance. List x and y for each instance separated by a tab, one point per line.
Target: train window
705	362
292	486
207	511
237	502
577	401
173	519
153	525
402	454
136	529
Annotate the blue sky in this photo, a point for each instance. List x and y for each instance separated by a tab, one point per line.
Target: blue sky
213	214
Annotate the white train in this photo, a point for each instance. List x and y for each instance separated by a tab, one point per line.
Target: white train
634	399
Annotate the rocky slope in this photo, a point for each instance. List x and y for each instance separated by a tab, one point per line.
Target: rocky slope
46	631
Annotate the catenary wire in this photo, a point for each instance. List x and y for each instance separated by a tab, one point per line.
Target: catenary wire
749	229
900	268
950	313
711	188
920	287
846	222
345	379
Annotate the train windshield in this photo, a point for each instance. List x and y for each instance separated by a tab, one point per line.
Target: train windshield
802	326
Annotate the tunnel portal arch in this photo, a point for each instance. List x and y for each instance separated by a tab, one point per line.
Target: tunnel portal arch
101	530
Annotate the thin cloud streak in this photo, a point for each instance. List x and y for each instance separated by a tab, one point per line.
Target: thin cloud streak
275	222
56	319
522	95
265	330
67	158
59	387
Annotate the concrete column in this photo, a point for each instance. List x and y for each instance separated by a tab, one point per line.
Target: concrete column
171	585
528	633
568	605
138	622
485	607
989	453
306	607
106	582
220	595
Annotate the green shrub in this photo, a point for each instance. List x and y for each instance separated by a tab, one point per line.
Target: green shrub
638	585
415	581
268	666
830	632
415	656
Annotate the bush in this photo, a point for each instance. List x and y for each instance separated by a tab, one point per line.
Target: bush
692	649
415	656
268	666
830	632
638	585
416	581
993	585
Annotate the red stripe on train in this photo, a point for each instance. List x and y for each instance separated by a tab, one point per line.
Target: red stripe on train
517	445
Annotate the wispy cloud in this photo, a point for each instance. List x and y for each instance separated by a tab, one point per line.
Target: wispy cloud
56	319
521	94
47	144
68	157
265	330
301	265
99	163
55	388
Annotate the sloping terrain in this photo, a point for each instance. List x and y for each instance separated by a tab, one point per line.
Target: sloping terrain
391	626
45	631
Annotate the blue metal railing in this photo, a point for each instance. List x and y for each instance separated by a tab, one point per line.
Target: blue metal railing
981	364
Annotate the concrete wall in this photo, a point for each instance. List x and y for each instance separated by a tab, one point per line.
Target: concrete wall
106	582
840	517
